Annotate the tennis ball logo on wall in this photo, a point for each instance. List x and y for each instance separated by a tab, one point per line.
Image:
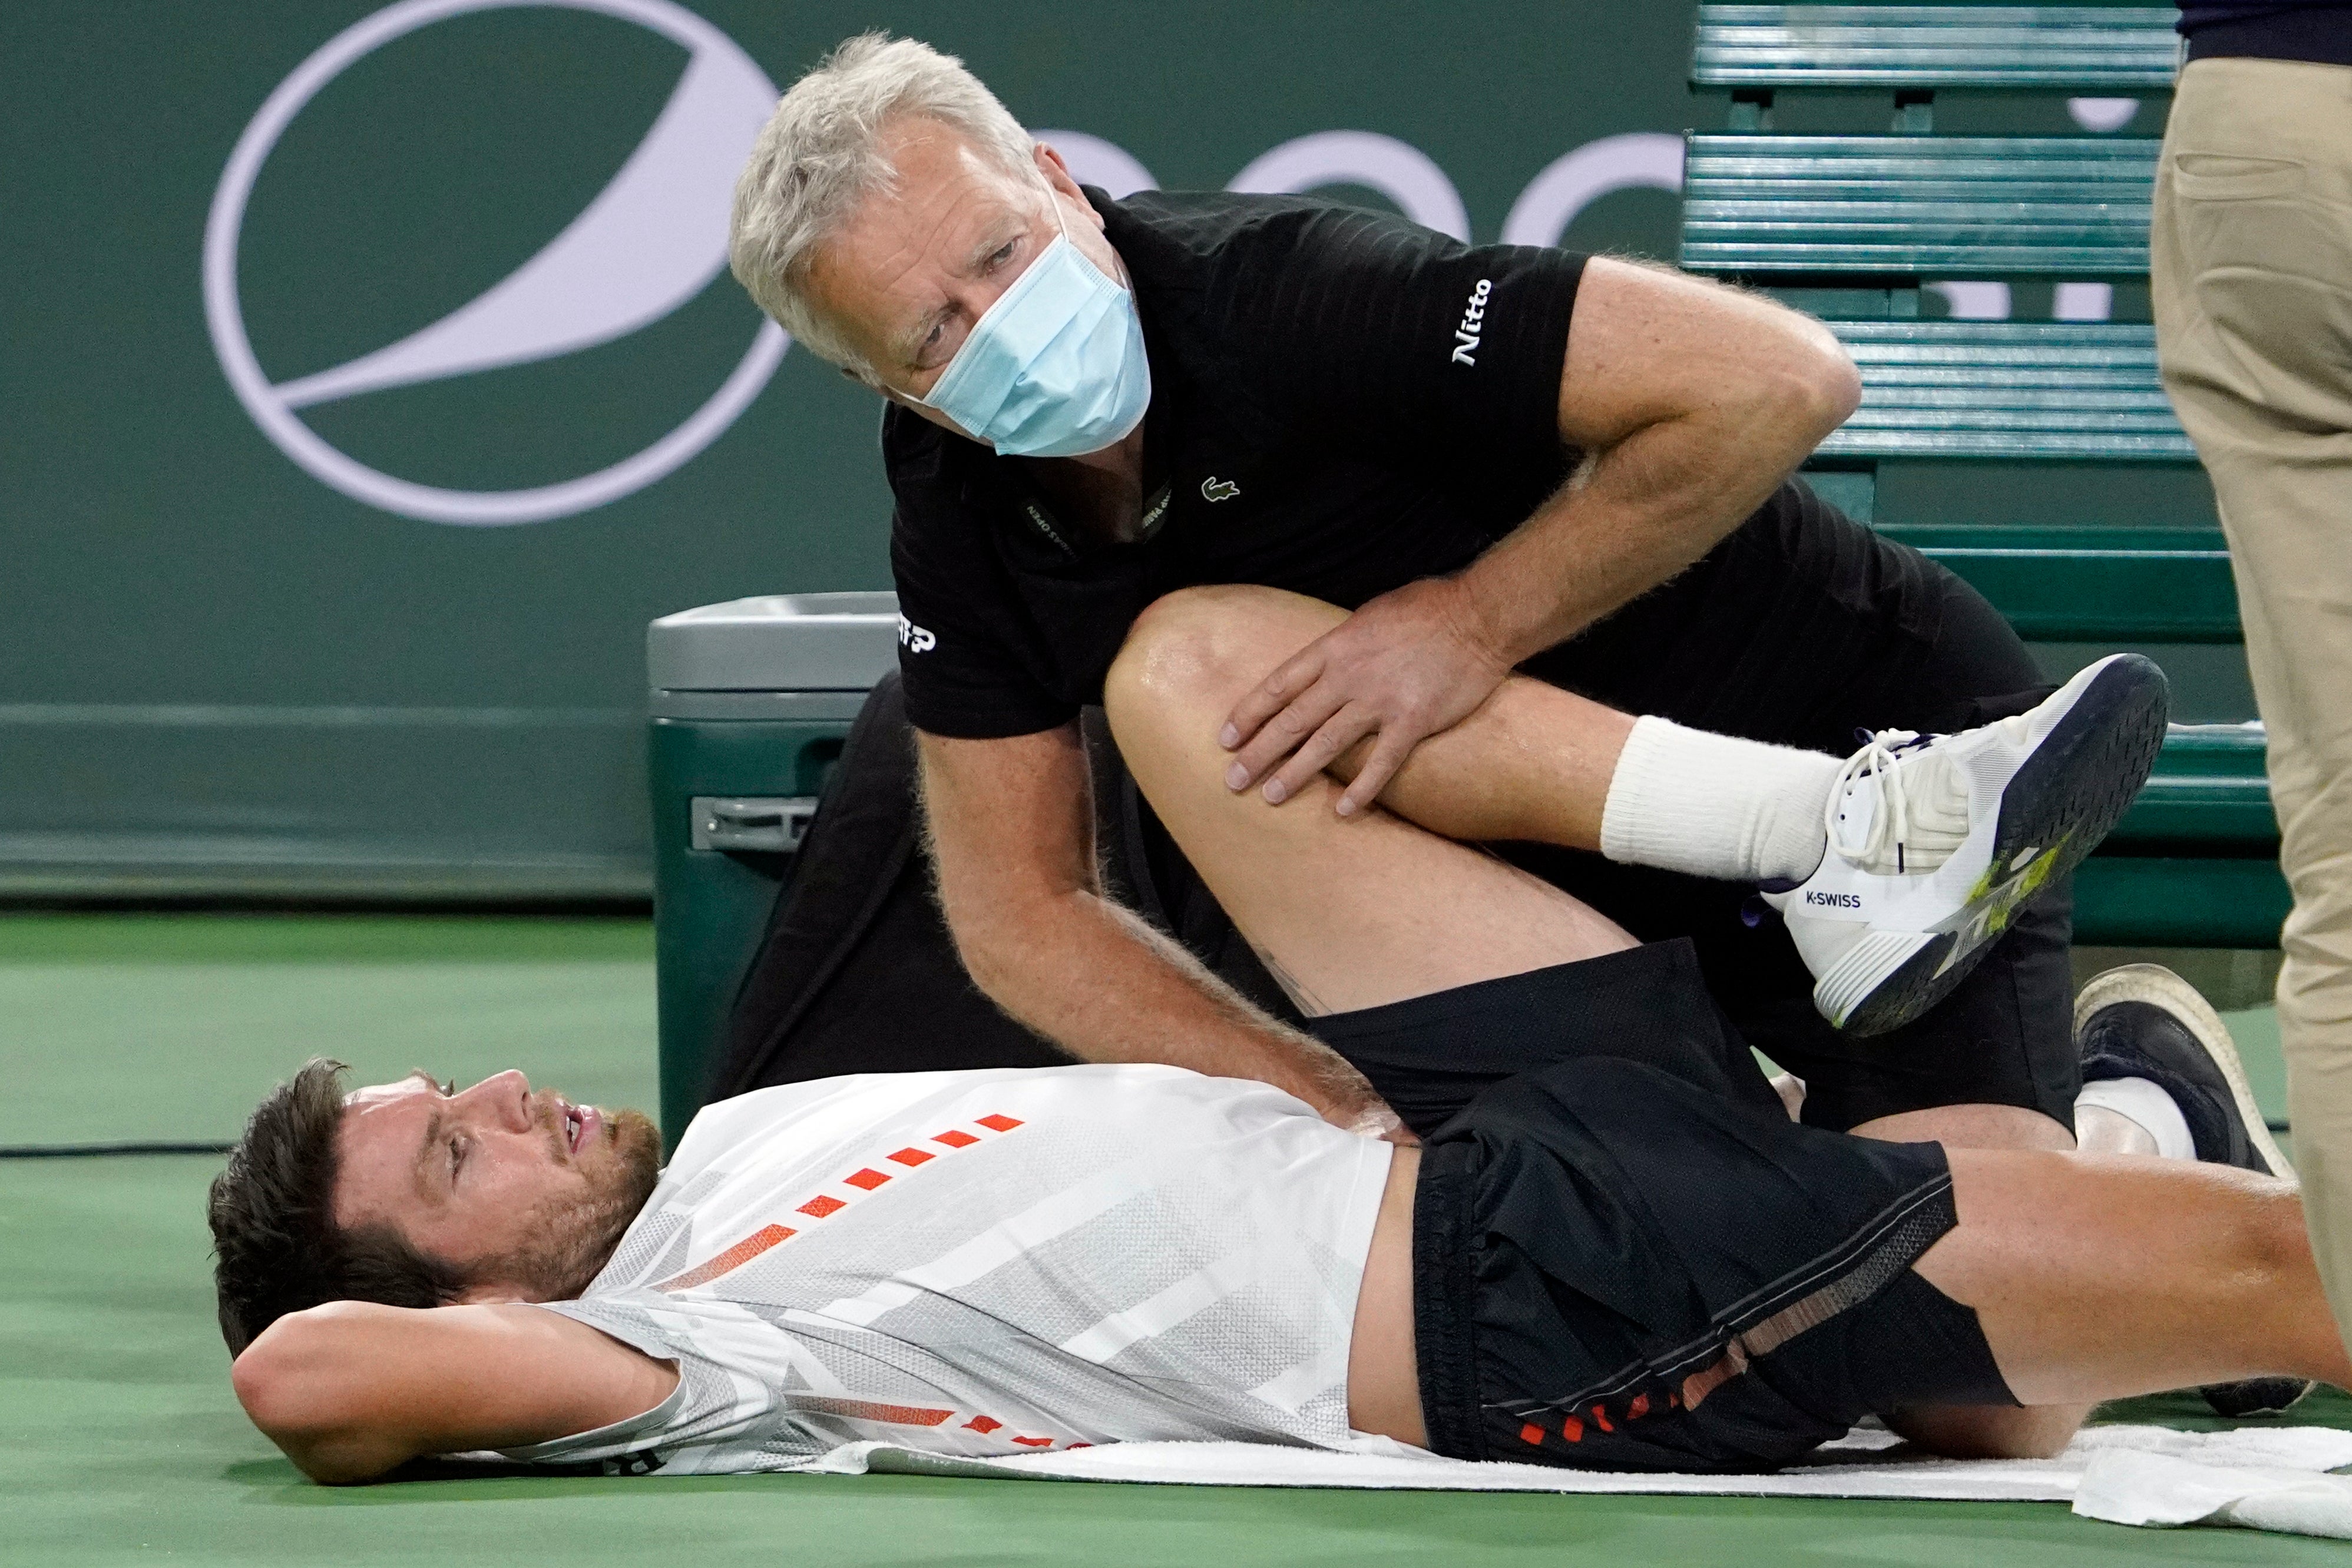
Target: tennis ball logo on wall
649	243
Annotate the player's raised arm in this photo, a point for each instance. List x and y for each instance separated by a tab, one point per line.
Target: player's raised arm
352	1390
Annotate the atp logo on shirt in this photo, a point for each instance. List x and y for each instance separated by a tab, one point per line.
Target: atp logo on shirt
914	638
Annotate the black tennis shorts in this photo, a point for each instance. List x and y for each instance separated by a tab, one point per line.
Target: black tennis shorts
1428	1057
1626	1255
1616	1270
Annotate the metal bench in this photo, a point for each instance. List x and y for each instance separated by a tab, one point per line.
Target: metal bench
1846	207
1914	51
1856	226
2094	585
2014	390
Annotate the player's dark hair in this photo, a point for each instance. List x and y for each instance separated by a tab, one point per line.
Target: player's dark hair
274	1239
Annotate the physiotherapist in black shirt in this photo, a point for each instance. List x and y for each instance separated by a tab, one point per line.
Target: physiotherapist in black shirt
1493	456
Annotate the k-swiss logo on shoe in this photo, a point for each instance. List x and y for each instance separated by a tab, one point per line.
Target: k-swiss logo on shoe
1473	323
914	638
1818	900
1213	488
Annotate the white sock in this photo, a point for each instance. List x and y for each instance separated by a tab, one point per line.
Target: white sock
1737	811
2138	1101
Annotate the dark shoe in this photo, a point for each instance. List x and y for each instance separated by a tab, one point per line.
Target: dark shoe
2256	1396
2144	1021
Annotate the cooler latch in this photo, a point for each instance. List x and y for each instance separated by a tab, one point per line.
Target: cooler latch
770	824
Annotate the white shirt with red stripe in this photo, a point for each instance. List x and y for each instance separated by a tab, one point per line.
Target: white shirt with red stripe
988	1263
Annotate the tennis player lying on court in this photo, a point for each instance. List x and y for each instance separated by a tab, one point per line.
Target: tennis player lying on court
1620	1253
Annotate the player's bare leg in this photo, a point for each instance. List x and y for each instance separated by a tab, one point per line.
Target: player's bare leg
1355	913
2100	1276
1350	913
1533	763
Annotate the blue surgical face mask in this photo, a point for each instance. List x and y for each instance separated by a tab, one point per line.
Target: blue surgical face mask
1055	367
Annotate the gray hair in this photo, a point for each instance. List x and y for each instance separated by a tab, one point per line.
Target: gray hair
820	156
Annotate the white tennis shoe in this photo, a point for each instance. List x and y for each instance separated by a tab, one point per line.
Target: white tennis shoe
1936	841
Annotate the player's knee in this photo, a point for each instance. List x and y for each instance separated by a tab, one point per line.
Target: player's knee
2273	1242
1193	648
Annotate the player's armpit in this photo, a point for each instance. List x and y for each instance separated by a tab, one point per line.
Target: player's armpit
352	1390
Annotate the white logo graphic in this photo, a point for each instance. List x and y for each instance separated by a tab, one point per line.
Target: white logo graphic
652	239
1397	170
1632	160
1473	325
1411	178
914	638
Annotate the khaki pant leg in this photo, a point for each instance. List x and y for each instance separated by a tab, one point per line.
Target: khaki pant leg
2252	262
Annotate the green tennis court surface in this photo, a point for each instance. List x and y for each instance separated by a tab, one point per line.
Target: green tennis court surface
123	1444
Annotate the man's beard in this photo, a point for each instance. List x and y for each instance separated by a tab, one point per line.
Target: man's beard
574	1237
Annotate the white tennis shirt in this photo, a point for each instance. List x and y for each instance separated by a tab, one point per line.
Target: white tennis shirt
986	1263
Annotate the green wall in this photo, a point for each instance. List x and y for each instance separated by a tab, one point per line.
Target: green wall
218	672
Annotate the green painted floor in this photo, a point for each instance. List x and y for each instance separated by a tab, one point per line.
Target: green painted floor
163	1028
120	1441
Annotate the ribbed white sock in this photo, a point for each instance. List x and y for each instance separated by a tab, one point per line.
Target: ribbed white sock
1738	810
2140	1100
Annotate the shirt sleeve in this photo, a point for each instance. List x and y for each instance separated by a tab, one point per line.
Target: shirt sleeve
960	618
1387	338
720	1418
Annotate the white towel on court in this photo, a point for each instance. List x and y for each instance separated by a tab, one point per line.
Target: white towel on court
2261	1477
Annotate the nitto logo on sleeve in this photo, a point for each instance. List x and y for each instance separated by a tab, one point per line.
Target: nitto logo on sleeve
914	638
1474	323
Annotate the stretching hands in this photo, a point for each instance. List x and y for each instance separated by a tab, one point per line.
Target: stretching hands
1408	665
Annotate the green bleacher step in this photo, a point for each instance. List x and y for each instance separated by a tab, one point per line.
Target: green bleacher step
1780	207
2187	900
2208	789
2008	390
2094	585
1999	46
2194	862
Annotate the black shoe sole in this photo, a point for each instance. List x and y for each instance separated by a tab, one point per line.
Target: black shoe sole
2062	802
2255	1395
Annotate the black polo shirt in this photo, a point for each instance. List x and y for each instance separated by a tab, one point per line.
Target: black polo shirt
1342	401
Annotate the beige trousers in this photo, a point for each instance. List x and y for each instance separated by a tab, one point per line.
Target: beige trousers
2252	269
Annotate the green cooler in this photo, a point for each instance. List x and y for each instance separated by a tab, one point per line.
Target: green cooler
750	702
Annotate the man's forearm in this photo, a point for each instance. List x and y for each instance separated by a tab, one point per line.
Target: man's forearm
1096	981
1695	401
1638	513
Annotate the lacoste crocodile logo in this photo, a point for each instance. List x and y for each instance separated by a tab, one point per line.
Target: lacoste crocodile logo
1213	488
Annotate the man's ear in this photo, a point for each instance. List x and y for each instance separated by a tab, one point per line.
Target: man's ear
1057	174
